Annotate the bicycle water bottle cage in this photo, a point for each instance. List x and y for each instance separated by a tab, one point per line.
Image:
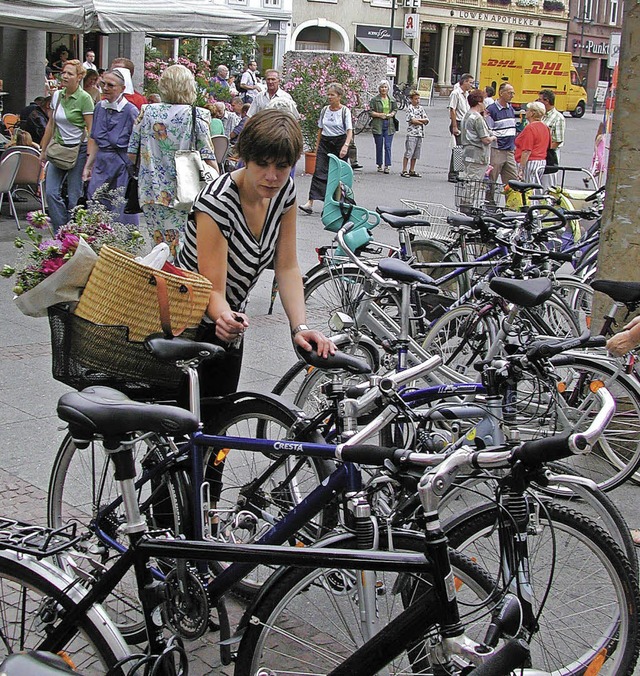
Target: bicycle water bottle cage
338	361
523	292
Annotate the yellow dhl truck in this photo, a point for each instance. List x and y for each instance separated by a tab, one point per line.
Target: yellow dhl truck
529	71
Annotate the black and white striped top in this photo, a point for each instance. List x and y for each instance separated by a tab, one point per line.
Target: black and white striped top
247	257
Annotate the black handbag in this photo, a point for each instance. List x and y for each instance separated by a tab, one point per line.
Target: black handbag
552	161
132	205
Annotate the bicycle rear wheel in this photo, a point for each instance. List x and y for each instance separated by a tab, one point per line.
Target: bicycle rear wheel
34	600
310	621
82	485
591	611
361	122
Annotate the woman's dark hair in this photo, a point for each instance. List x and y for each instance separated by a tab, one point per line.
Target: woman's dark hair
490	91
475	97
272	135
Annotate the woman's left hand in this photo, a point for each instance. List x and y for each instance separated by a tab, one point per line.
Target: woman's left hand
309	340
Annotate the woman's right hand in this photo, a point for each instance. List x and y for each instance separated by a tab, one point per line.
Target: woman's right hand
231	325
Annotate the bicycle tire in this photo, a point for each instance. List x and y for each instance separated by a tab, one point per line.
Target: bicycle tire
291	478
314	614
615	456
607	606
81	482
553	318
34	597
432	251
462	337
362	121
578	296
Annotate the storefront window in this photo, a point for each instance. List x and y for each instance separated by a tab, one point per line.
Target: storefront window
493	38
548	42
521	40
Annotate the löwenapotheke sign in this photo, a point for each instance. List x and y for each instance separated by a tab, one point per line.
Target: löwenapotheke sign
492	19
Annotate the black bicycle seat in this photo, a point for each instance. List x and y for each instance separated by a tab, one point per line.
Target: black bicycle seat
106	412
399	222
393	268
621	292
174	350
403	212
521	186
334	362
523	292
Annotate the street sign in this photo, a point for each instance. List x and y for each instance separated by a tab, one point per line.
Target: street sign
410	26
614	50
392	66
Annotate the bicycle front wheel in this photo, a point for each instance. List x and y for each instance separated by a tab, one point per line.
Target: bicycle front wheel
591	611
34	600
311	621
252	491
362	121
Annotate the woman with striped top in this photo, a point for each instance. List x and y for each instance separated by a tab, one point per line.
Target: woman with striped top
240	224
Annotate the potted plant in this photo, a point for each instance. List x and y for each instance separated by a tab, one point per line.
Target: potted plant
307	82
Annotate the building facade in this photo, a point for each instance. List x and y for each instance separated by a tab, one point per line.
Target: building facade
591	25
450	37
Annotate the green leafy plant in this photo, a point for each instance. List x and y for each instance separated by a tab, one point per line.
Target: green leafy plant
307	82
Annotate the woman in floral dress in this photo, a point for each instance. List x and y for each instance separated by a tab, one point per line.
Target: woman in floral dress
160	130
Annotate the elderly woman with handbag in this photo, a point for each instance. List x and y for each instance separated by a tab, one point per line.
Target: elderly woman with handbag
532	144
161	131
335	131
107	160
64	144
382	109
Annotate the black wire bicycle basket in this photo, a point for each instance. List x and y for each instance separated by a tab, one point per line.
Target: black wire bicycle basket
86	354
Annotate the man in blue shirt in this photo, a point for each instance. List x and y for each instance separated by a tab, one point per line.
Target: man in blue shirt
501	120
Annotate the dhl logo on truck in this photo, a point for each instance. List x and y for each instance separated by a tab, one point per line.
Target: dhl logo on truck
501	63
546	68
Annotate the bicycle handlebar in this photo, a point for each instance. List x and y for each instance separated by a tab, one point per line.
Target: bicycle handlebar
549	348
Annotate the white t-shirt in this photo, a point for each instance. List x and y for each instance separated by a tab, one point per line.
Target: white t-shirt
335	122
249	78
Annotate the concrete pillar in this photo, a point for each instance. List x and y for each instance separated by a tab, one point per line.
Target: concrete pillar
620	237
510	38
482	38
505	39
561	43
442	60
449	65
537	40
36	59
473	65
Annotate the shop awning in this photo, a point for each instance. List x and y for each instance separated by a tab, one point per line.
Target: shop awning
188	17
381	46
44	15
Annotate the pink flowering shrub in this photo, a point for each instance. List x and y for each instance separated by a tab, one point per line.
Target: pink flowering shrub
307	82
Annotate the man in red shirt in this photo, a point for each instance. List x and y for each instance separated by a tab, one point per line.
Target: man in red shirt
130	94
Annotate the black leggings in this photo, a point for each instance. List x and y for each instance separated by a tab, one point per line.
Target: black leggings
217	376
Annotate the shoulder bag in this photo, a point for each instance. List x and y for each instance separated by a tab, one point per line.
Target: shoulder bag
62	156
552	161
192	174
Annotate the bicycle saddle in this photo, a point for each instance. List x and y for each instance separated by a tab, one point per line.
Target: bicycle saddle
523	292
109	413
337	361
392	268
521	186
180	349
460	220
621	292
399	222
398	211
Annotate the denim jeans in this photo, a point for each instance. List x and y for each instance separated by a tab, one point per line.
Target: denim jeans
383	140
58	207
